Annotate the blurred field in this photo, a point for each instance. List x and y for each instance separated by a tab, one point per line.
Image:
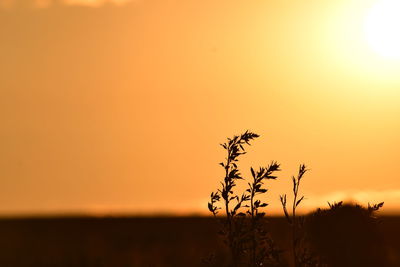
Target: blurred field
170	241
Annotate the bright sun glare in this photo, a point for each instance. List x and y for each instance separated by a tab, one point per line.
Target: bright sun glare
382	28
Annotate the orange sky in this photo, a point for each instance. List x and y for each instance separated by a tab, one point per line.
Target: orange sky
119	107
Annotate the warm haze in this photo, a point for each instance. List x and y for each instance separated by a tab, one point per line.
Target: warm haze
119	106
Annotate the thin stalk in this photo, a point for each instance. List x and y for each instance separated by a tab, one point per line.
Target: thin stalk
253	225
294	225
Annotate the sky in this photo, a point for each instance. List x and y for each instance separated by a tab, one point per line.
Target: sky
119	107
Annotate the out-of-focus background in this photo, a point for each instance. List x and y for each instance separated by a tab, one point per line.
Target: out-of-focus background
118	107
162	241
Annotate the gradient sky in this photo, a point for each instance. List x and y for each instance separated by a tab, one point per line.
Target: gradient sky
119	107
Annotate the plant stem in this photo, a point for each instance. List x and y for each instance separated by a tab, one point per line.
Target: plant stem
228	214
254	243
294	225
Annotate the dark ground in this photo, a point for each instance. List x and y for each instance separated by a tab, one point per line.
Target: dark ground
115	242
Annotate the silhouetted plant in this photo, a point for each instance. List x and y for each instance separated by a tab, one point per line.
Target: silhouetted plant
262	246
301	255
335	205
245	236
249	242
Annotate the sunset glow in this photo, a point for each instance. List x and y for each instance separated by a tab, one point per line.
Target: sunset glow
113	106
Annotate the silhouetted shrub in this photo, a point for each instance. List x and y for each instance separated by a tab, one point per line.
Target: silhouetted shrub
346	235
